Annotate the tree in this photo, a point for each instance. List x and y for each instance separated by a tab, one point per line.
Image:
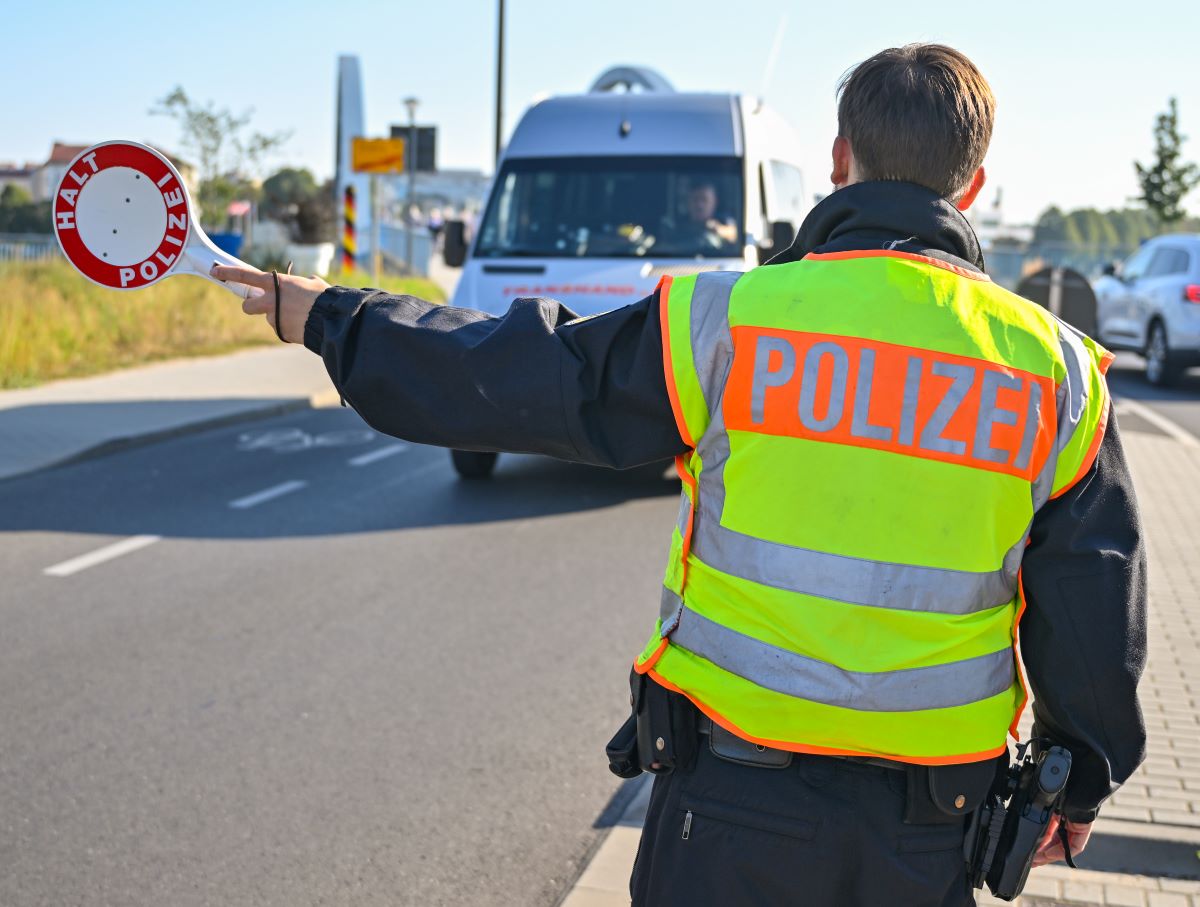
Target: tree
1051	226
227	156
293	197
1168	180
14	196
283	191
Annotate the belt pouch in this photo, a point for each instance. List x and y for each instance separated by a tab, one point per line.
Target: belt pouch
946	793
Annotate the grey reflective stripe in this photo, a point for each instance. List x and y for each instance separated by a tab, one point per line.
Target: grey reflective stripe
765	376
685	510
992	414
860	425
712	344
837	389
669	609
931	434
1070	404
913	689
876	584
1076	358
912	396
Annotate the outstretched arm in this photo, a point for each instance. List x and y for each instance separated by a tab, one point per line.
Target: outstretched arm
535	380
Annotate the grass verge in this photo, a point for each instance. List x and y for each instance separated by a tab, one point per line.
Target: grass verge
55	324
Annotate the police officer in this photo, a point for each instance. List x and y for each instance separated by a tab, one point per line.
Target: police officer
891	468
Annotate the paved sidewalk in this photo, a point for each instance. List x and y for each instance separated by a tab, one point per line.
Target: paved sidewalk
65	420
1155	818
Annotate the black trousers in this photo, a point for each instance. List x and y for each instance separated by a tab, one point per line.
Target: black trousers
822	831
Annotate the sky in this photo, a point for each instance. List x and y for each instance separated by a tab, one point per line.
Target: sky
1077	87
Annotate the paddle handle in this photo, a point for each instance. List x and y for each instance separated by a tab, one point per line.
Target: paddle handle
202	254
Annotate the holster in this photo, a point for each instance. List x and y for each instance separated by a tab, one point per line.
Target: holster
660	734
947	793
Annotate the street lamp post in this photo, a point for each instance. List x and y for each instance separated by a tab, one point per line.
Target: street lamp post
410	164
499	83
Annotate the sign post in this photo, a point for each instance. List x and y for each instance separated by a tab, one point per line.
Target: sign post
376	156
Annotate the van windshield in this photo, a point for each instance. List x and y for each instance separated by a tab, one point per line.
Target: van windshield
615	207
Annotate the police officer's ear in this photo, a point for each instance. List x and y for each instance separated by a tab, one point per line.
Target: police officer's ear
973	190
843	163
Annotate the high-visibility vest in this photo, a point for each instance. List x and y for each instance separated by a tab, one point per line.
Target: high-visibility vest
872	434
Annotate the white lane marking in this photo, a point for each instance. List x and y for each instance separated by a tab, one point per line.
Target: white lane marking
1159	421
100	555
267	494
379	454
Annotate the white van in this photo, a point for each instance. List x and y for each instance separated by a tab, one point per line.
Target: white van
598	196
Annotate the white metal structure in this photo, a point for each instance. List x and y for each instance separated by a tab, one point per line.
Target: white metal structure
599	195
1152	306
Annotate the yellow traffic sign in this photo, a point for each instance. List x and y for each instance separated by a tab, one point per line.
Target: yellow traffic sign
377	155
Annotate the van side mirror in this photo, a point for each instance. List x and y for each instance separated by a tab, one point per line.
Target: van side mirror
454	243
1110	269
783	234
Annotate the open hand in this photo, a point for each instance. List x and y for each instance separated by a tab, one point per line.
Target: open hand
1051	849
296	297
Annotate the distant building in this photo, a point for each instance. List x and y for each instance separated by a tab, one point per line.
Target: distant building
1004	245
458	190
48	176
14	175
44	178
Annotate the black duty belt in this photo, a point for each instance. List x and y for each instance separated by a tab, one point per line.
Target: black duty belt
732	748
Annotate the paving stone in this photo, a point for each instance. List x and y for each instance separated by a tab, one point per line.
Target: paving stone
1184	886
1083	893
1042	885
1167	899
1124	897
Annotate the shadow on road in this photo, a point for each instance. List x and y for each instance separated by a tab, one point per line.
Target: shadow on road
184	487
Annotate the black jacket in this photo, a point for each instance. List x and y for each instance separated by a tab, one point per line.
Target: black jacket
593	391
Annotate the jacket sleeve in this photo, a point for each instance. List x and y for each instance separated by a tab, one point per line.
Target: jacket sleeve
1083	634
536	380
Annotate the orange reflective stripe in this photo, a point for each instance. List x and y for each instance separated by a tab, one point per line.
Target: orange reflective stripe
892	253
647	668
653	659
902	399
1094	448
690	481
664	292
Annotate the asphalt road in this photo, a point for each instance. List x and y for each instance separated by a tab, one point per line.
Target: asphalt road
294	662
384	686
1180	404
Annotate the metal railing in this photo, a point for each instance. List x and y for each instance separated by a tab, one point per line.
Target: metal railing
28	247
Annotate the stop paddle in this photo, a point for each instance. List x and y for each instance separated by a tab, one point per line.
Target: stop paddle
124	220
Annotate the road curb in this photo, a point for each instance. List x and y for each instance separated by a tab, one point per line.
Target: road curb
322	400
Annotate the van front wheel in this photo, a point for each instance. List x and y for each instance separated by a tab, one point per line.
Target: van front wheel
473	464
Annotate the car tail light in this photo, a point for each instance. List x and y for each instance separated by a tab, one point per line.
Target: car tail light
1192	292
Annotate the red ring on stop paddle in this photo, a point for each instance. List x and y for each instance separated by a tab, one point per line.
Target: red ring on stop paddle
147	162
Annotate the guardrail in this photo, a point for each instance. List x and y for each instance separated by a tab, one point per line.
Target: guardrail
28	247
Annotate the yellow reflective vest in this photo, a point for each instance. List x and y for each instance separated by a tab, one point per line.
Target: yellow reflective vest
872	434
